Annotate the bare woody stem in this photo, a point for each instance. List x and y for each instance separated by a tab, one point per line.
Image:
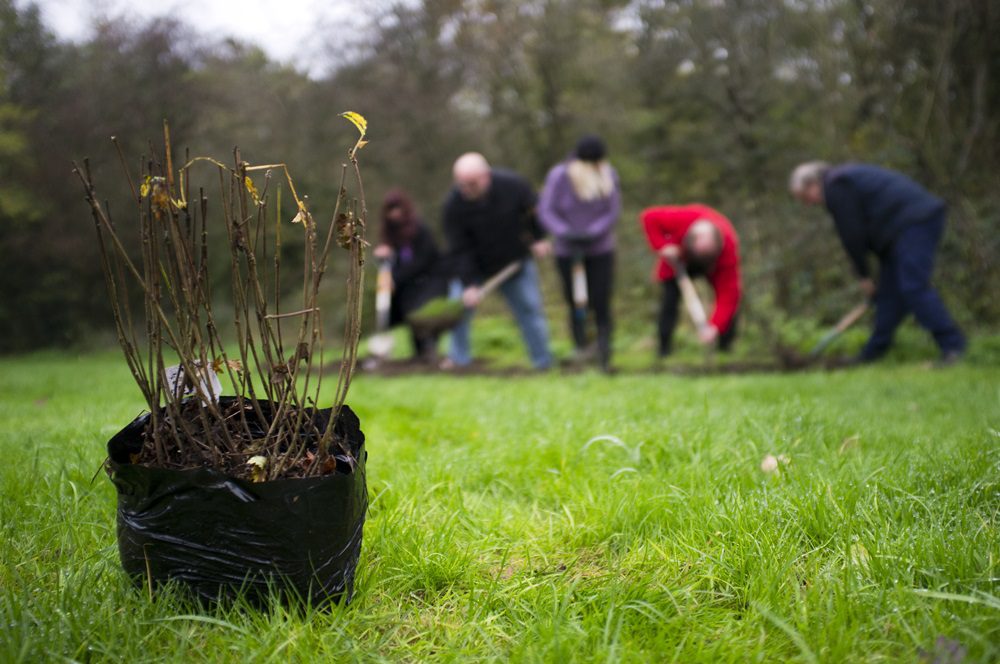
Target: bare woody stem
170	269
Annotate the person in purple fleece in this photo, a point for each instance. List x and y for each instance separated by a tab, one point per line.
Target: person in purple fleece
579	206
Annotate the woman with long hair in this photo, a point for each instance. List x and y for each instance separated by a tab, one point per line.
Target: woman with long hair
579	207
417	270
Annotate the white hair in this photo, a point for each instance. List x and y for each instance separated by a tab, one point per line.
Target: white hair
806	174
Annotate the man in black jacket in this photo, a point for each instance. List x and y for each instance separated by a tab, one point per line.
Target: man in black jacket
886	213
489	220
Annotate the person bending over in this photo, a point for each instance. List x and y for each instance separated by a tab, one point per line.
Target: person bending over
882	212
705	243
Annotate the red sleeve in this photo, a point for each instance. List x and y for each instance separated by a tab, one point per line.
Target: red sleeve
726	283
665	225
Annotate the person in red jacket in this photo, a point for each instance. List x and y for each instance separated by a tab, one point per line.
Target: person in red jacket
704	241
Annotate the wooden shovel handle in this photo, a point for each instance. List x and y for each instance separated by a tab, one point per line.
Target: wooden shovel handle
691	300
852	316
503	275
383	295
849	319
578	279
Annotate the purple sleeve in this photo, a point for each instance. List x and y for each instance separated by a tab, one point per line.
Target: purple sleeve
547	214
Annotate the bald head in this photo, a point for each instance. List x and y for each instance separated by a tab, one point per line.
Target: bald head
471	174
703	241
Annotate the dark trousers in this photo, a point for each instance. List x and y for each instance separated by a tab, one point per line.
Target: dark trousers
904	287
600	275
424	346
668	320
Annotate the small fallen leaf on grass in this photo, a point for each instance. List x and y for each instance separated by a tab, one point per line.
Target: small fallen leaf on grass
770	463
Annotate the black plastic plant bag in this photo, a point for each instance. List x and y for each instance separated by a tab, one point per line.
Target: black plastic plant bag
224	537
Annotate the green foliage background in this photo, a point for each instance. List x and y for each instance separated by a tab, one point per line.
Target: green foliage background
699	100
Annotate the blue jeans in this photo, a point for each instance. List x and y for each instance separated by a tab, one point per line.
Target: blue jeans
524	298
904	287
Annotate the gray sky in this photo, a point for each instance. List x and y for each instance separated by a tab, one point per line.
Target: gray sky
291	31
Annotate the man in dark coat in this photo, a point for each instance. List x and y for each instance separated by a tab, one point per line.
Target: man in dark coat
879	211
490	222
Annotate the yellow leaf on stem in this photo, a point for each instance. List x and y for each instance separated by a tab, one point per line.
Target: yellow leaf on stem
357	120
252	188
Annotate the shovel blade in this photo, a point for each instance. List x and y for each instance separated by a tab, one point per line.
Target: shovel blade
381	345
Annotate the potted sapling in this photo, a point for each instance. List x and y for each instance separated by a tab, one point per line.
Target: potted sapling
238	480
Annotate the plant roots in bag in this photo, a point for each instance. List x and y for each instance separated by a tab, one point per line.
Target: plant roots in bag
224	537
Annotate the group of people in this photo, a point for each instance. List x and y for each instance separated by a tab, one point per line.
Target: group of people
493	219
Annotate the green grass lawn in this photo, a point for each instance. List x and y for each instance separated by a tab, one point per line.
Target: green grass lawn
503	527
